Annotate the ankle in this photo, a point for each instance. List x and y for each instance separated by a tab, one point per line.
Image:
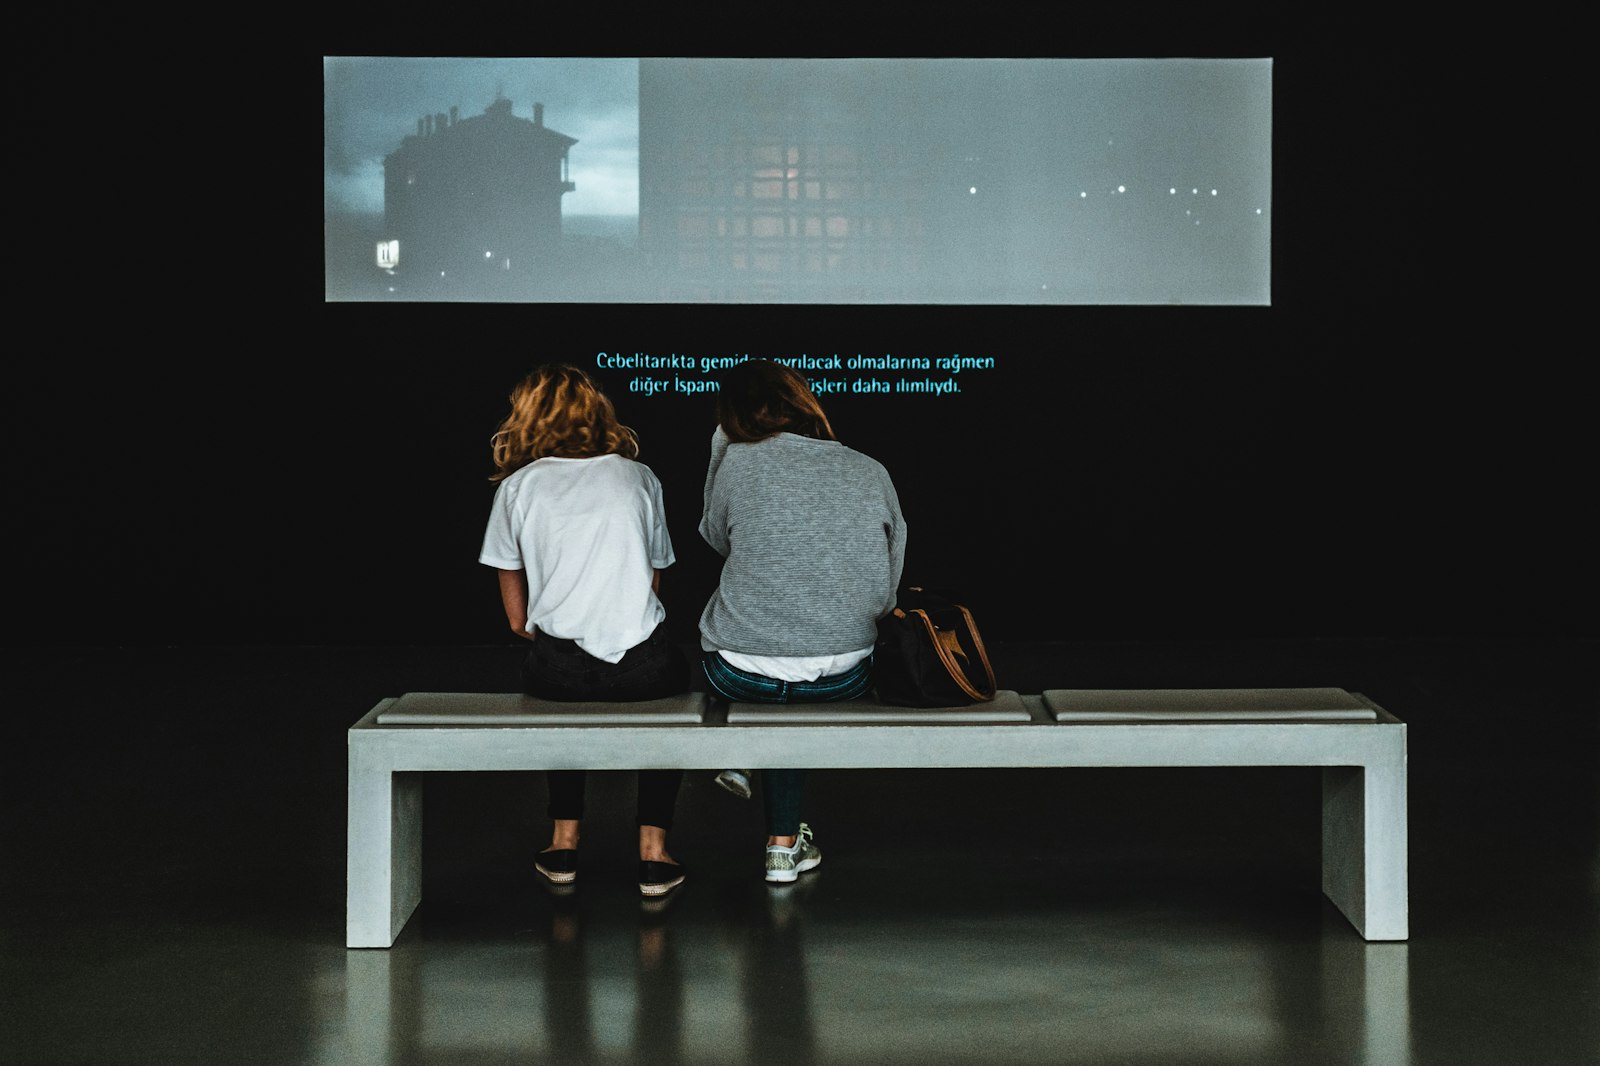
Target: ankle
564	835
781	842
653	844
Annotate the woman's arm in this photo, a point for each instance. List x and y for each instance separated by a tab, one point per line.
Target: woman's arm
713	515
895	531
514	595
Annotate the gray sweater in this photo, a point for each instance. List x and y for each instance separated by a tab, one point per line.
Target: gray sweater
813	541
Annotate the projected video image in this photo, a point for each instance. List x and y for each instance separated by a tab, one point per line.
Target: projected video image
798	181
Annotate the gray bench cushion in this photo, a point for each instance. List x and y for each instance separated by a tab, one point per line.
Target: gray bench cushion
1206	705
513	708
1007	706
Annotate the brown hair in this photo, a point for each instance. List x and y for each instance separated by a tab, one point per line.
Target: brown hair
759	398
558	410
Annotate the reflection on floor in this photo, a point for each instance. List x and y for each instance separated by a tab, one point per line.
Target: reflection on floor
173	885
766	976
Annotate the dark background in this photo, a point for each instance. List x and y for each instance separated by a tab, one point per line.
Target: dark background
204	459
202	450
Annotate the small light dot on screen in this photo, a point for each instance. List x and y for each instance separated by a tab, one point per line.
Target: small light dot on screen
1122	188
1083	196
1172	192
1213	192
973	190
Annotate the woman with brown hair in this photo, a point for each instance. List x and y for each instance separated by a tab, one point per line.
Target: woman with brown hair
813	544
578	534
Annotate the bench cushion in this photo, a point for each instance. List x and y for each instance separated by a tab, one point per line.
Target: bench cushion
1206	705
1007	706
513	708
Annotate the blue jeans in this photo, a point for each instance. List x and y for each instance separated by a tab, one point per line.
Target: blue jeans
557	669
782	790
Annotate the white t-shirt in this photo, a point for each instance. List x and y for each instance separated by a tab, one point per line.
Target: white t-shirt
796	667
588	532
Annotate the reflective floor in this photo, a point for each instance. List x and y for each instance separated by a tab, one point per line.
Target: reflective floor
173	884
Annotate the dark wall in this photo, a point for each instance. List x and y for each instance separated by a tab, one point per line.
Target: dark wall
1120	474
212	454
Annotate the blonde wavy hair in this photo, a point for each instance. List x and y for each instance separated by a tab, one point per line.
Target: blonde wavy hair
558	410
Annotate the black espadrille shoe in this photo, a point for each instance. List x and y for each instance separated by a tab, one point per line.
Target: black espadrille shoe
558	865
659	878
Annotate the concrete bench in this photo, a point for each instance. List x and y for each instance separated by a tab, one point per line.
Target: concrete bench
1360	747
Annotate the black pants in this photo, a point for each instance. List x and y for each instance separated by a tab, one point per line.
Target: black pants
557	669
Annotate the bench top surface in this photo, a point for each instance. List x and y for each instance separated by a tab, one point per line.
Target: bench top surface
513	708
1207	705
1007	706
1061	705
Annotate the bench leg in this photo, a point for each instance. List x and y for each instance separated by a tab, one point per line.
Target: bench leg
1364	869
383	852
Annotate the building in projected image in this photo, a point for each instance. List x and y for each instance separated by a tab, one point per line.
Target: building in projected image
805	180
474	204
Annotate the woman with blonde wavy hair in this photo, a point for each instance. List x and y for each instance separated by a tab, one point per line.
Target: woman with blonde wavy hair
578	534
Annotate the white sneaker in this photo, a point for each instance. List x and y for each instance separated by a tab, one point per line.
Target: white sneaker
786	864
736	781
